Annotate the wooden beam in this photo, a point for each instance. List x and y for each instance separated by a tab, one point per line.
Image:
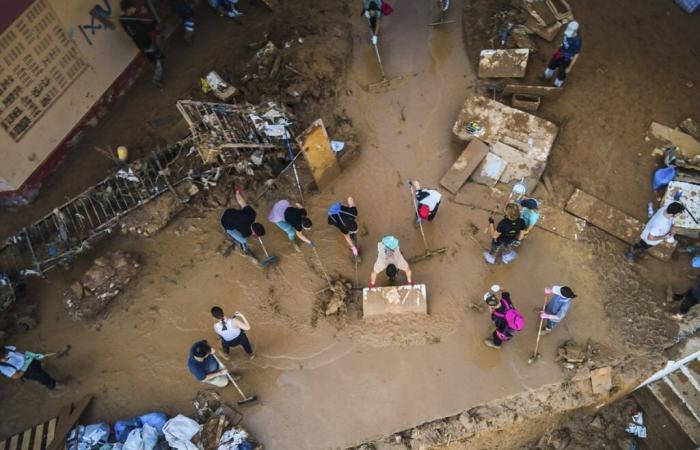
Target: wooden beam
465	165
541	91
67	419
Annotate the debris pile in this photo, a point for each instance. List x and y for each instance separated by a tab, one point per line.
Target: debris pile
220	424
108	276
336	301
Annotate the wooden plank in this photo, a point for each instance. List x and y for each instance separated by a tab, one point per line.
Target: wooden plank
464	166
13	442
613	221
542	91
67	418
394	300
547	33
520	164
490	170
688	144
601	381
51	431
503	63
38	436
316	147
26	437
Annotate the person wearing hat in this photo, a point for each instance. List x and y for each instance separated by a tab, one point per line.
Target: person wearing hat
204	366
291	219
504	236
529	212
658	229
344	218
389	257
240	224
566	56
428	202
556	306
506	325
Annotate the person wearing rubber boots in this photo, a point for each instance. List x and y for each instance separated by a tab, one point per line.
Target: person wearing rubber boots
506	235
344	218
389	258
566	56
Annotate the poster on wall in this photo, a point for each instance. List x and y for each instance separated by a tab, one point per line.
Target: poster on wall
38	61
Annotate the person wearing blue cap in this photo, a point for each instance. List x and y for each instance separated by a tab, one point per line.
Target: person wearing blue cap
389	258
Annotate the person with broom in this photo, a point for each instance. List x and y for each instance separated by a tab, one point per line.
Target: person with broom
204	366
25	366
231	331
291	219
344	218
507	320
240	224
506	235
389	258
428	202
556	307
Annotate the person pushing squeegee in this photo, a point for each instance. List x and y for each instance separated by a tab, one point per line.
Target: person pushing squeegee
374	10
425	206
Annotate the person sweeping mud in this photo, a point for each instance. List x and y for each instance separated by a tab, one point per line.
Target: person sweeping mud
556	307
529	212
204	366
390	259
25	366
566	56
428	202
372	11
344	218
240	224
507	320
506	235
231	331
292	220
658	229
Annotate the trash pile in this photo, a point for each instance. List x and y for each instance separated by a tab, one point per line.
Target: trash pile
107	277
155	431
336	300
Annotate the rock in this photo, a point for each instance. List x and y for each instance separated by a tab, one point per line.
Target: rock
691	127
77	289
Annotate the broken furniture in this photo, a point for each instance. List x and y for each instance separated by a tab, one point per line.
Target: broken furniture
687	148
526	102
316	148
408	299
503	63
613	221
467	162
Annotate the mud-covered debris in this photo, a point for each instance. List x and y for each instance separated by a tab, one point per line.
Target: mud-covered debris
339	297
108	276
571	353
556	440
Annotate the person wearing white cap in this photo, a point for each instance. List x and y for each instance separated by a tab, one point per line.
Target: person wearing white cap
557	306
389	257
566	56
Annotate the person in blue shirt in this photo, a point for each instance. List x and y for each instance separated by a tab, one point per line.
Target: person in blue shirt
529	212
25	366
204	366
557	306
566	56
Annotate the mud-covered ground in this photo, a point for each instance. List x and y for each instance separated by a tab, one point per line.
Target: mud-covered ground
363	379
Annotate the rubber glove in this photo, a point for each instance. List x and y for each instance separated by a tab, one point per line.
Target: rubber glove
311	244
354	250
544	315
370	285
374	40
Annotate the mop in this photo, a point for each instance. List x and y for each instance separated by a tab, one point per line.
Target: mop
428	252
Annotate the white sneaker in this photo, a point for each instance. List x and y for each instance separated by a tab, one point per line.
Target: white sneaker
548	73
558	82
489	258
234	13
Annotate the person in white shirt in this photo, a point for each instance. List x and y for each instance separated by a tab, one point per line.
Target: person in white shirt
658	229
428	202
231	331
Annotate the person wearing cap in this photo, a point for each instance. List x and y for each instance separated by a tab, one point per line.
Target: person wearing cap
529	212
506	235
556	306
566	56
389	258
344	218
204	366
291	219
428	202
502	331
240	224
658	229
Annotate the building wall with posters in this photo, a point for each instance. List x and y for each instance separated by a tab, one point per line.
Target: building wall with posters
57	60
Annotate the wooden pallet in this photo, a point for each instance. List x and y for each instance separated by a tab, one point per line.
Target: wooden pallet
49	435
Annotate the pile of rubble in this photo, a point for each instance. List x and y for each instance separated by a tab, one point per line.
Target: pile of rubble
107	277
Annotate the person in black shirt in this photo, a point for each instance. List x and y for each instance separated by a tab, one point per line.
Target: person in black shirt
344	218
240	224
507	234
142	27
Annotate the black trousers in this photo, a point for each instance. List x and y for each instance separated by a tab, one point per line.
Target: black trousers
241	340
687	302
497	340
36	373
560	65
639	248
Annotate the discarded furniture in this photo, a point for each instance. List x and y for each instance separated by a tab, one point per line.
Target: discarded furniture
385	300
465	165
316	147
527	102
560	10
503	63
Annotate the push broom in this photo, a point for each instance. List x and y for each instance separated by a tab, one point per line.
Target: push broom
246	399
536	355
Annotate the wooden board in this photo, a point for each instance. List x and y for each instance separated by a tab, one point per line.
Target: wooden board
38	437
546	33
541	91
689	145
465	165
67	419
316	147
663	430
601	381
613	221
503	63
380	301
520	164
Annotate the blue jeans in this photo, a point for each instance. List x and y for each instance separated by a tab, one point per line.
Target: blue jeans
287	228
550	324
238	237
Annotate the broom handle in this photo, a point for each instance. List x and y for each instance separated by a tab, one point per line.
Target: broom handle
537	343
228	374
263	246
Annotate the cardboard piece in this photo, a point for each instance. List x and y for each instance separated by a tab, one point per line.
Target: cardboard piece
467	162
316	147
601	381
613	221
503	63
384	300
540	91
490	170
688	144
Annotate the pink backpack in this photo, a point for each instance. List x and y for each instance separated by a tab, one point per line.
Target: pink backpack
512	316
